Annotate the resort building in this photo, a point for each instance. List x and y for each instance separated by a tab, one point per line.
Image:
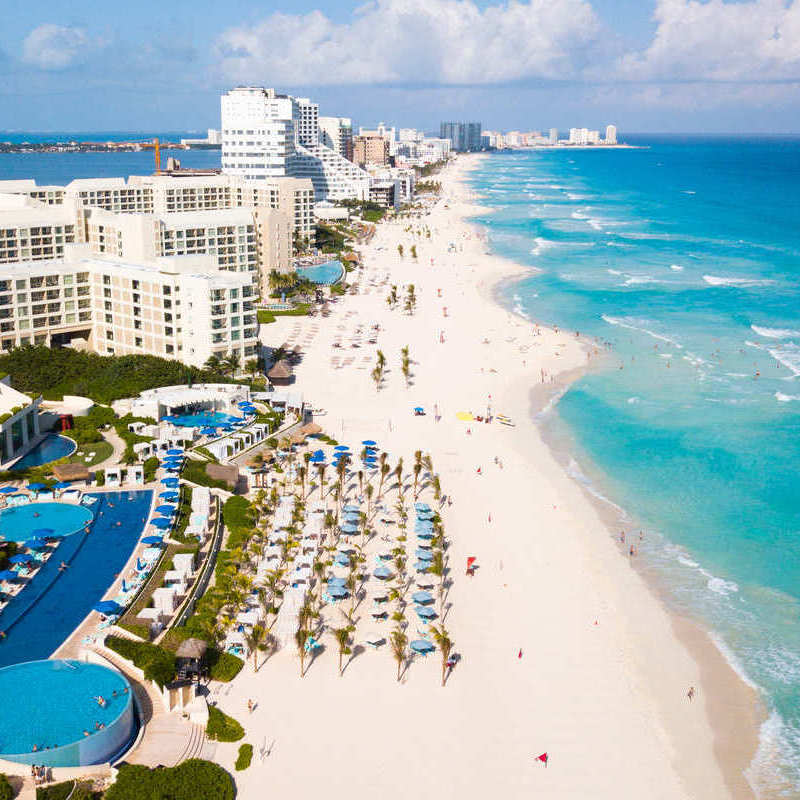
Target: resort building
611	134
267	135
180	307
32	231
336	133
465	137
371	149
583	136
19	421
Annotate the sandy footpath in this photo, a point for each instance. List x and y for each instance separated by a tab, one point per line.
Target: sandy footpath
601	685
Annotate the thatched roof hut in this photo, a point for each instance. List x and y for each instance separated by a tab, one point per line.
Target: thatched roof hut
71	472
192	648
311	429
280	372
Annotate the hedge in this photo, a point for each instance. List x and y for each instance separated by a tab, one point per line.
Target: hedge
223	667
245	757
194	779
157	663
6	792
195	471
222	728
67	789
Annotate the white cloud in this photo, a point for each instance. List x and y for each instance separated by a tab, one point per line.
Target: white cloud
55	47
757	40
417	41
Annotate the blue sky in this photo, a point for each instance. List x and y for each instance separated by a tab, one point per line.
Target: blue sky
646	65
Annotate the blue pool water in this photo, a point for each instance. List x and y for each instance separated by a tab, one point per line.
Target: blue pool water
40	617
51	448
18	523
49	704
213	419
683	262
323	274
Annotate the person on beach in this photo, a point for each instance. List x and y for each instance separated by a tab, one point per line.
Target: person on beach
690	694
622	537
249	706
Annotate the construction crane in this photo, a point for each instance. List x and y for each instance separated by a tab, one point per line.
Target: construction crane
157	151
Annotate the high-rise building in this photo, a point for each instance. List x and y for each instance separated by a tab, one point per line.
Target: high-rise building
370	150
265	134
553	136
611	134
465	136
336	133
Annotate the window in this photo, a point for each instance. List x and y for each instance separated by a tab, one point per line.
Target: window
110	335
138	341
106	280
106	292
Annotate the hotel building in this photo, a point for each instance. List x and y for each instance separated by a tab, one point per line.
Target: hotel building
465	136
336	133
371	149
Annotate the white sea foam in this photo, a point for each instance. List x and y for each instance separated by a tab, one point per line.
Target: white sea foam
634	280
676	267
788	355
575	472
665	355
775	333
541	244
573	196
613	272
778	744
633	400
626	322
690	191
596	224
721	586
786	398
742	283
687	562
578	215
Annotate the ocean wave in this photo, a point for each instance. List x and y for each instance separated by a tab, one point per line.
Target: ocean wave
786	398
613	272
775	333
633	400
720	585
627	322
575	472
676	267
541	244
742	283
789	356
778	744
573	196
634	280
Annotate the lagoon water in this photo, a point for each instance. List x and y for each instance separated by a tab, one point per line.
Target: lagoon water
683	260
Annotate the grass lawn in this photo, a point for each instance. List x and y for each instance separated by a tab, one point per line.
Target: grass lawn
102	450
265	316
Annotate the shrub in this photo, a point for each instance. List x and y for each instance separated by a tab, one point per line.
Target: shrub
149	467
6	792
222	728
192	780
66	789
100	477
245	757
223	667
195	471
157	663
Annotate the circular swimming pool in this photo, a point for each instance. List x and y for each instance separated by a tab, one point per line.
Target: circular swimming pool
52	716
19	523
51	448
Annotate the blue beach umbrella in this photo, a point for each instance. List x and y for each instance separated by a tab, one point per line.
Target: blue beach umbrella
383	573
8	575
369	443
337	591
422	566
107	607
166	509
423	555
341	448
161	522
421	507
172	482
425	536
425	612
34	487
208	431
317	459
419	410
175	451
153	540
35	544
421	597
342	560
350	508
421	646
348	527
20	558
8	490
334	581
169	495
243	403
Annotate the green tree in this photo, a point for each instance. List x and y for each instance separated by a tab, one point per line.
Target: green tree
300	638
445	645
400	250
255	641
398	641
342	636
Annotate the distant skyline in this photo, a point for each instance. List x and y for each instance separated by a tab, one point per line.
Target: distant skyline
643	65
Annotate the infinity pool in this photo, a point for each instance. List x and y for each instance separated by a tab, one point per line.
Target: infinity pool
204	419
323	274
20	523
51	714
51	448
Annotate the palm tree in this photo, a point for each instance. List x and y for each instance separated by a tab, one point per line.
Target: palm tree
381	359
417	468
398	473
213	363
445	645
252	366
400	250
438	567
341	470
231	362
437	488
302	471
377	377
361	482
321	473
300	638
342	636
385	470
399	642
369	491
255	641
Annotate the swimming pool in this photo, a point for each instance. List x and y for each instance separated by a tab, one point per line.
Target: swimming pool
203	419
51	706
55	602
51	448
323	274
19	522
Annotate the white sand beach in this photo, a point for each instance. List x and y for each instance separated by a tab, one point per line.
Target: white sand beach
602	682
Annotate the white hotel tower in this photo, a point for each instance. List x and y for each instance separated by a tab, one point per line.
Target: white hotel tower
266	135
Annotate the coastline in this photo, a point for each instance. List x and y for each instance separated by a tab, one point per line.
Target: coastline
734	707
563	647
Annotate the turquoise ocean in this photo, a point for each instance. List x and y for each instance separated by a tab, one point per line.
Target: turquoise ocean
682	260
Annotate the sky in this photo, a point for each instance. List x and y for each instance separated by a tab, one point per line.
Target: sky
714	66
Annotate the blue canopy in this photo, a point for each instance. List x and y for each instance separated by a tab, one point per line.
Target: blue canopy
63	485
424	555
34	487
426	516
173	482
424	536
421	507
108	607
42	532
20	558
161	522
319	453
419	409
175	451
315	459
350	508
35	544
166	509
426	612
421	597
243	403
8	575
8	490
383	573
348	527
169	495
342	559
153	540
337	591
341	448
421	646
334	581
422	566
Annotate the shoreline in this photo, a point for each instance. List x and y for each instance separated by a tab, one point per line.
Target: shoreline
735	709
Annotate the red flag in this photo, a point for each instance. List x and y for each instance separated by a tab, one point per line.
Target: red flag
519	655
470	561
542	758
